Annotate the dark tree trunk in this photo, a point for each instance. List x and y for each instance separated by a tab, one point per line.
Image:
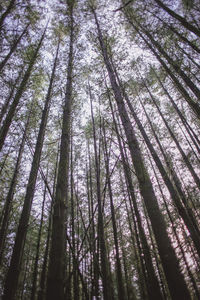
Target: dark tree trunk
181	19
10	195
177	237
94	247
43	277
6	13
55	278
107	291
12	49
187	126
8	99
7	122
11	282
194	106
152	282
184	212
120	284
185	158
171	62
36	262
175	279
174	195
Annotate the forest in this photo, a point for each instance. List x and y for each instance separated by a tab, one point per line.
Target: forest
99	150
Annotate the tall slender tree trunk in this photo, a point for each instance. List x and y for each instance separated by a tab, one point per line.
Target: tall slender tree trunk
10	195
177	185
187	126
36	262
181	19
55	277
43	277
72	200
152	282
120	284
13	48
171	62
94	247
107	291
185	158
7	122
11	282
8	99
176	235
175	279
182	211
6	13
194	105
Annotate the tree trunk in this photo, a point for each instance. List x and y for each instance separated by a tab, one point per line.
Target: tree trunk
182	20
35	270
107	292
152	282
5	14
186	160
7	122
176	282
8	99
13	48
55	278
194	106
174	195
11	282
120	284
10	195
